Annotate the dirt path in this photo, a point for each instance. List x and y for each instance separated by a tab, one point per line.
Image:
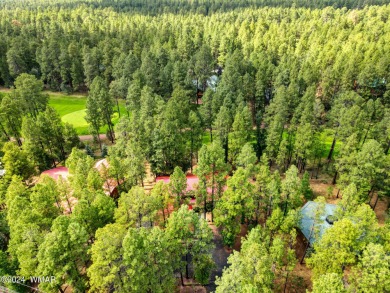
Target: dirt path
51	93
90	137
87	137
220	256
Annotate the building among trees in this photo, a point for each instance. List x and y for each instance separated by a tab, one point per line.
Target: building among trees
316	219
110	186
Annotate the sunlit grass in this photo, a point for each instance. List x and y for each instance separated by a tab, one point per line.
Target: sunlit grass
65	105
72	110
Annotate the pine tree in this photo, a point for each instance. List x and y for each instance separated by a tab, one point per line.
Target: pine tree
136	209
370	274
146	253
134	163
247	158
133	96
11	117
89	151
333	253
241	131
305	187
330	282
250	269
195	136
291	190
29	91
282	158
162	197
221	126
203	65
16	162
235	206
63	254
107	268
211	170
93	210
277	114
303	145
94	117
178	185
192	237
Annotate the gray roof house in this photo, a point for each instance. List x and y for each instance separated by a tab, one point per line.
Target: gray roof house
307	222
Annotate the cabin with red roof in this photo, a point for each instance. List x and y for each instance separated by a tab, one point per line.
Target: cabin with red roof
110	186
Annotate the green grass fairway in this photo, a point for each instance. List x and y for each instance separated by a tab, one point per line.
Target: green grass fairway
72	110
65	105
77	119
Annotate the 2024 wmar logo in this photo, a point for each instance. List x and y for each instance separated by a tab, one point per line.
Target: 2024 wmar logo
21	280
42	279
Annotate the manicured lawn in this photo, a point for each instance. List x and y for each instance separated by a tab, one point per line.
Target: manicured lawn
77	119
72	110
66	105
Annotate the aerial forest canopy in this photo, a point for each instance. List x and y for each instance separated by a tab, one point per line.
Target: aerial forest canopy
332	50
292	66
188	6
258	100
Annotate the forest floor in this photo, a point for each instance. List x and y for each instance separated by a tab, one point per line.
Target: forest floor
220	255
300	279
330	191
381	210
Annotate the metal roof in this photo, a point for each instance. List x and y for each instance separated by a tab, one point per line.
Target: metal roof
307	222
211	82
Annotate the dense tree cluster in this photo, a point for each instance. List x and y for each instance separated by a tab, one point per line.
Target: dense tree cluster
254	101
42	139
356	242
261	260
72	230
287	73
183	6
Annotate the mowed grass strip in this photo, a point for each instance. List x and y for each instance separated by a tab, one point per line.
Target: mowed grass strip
77	119
65	105
72	110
